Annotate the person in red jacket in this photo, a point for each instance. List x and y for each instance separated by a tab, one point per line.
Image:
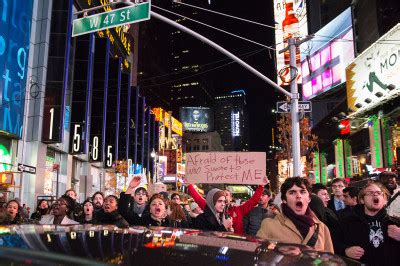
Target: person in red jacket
236	212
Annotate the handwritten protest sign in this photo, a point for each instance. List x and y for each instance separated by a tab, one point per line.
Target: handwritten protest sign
226	167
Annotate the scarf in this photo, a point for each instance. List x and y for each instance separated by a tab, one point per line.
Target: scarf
302	222
138	209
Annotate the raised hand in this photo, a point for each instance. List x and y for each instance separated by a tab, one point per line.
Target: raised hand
135	182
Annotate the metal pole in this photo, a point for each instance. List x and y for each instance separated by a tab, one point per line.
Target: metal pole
57	183
142	128
148	139
222	50
294	109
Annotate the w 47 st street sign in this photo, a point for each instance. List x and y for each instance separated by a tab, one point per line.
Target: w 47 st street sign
284	107
111	19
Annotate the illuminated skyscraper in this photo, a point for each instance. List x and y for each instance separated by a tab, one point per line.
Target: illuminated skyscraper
231	120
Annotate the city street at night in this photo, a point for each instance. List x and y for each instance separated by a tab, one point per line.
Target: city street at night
199	132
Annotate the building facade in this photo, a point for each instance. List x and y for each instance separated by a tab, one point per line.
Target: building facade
79	113
231	120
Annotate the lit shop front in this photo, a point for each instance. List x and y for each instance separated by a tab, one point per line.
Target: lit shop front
373	89
169	154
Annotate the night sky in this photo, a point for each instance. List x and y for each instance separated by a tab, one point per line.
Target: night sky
261	97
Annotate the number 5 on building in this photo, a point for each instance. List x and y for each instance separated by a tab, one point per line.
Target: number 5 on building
109	156
77	139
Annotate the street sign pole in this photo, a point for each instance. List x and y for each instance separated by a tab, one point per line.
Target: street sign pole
294	109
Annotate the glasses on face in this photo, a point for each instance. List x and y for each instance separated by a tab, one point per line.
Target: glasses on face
373	193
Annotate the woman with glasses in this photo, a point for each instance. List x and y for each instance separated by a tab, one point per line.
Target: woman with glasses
61	209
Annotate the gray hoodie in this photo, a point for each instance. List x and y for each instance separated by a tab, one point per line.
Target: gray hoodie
210	203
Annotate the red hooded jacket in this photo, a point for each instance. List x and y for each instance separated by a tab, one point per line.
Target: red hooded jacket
236	212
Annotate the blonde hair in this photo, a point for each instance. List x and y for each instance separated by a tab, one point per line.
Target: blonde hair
376	183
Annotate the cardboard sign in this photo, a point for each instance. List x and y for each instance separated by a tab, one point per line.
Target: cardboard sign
226	167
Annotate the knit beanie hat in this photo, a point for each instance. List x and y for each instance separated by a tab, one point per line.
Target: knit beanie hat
217	195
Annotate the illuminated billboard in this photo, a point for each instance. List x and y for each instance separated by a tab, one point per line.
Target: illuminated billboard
290	21
235	123
163	116
373	76
15	33
324	58
197	119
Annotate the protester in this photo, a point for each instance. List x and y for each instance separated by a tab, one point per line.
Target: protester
195	210
350	199
297	223
133	207
12	214
176	198
24	212
158	212
364	231
336	202
41	209
109	215
77	209
252	221
236	212
389	180
98	200
177	217
61	208
214	217
329	218
87	216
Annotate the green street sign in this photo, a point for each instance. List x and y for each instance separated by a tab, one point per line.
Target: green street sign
111	19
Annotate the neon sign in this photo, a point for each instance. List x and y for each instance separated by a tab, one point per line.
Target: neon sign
14	50
235	121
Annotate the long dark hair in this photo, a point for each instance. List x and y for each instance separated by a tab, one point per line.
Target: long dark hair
177	212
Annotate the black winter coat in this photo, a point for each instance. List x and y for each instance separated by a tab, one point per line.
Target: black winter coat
147	220
357	230
113	218
125	208
252	221
208	221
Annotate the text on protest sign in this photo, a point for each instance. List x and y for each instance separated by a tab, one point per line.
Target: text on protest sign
226	167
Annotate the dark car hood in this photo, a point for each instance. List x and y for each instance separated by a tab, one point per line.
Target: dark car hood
149	246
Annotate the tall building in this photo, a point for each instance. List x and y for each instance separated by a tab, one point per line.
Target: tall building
176	79
231	120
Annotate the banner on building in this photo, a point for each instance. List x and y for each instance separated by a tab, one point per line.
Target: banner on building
15	34
290	21
375	142
339	158
374	75
197	119
325	57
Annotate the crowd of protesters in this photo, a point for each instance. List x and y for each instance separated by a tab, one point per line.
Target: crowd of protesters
360	223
